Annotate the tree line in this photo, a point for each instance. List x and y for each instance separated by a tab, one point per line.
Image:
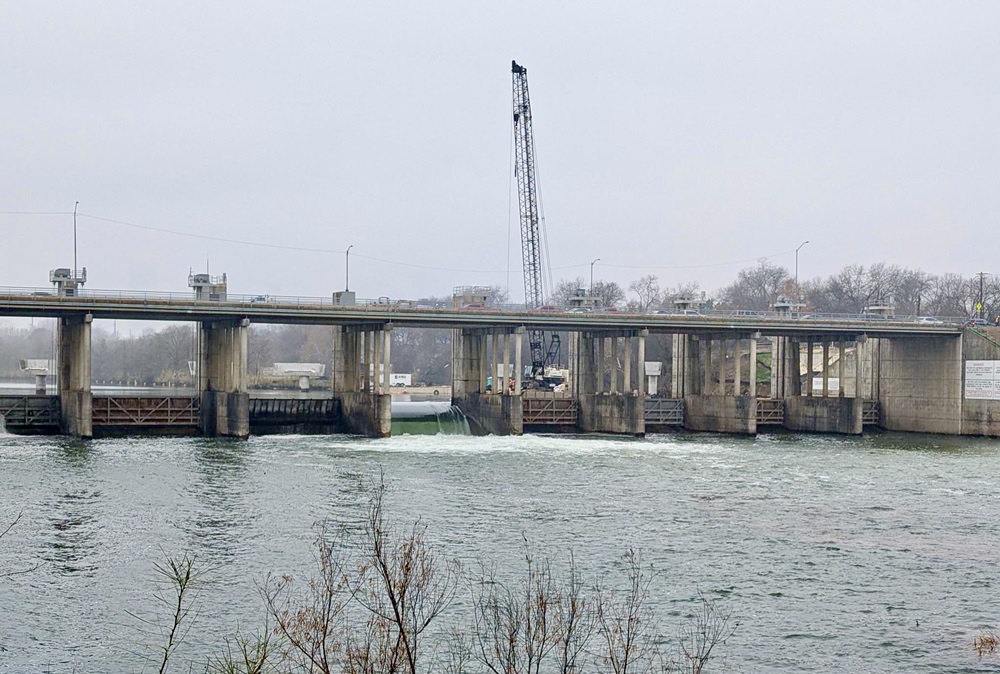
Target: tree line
849	291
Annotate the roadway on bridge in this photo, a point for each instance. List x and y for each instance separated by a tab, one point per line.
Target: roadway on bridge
126	305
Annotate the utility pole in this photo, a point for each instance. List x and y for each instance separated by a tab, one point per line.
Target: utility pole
74	238
982	309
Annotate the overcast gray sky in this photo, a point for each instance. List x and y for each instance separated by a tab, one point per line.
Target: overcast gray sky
677	138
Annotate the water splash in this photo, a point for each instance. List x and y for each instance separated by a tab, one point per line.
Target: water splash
428	418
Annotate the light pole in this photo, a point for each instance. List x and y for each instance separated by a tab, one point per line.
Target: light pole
74	238
347	268
797	269
591	291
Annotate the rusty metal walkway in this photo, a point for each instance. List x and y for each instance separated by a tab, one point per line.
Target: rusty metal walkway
549	410
130	412
664	411
30	413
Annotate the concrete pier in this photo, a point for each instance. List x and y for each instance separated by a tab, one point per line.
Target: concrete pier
602	359
825	412
360	378
711	406
222	378
76	401
486	385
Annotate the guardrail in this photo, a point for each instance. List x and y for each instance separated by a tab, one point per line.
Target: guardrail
386	304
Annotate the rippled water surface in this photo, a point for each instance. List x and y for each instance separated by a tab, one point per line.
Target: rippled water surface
874	554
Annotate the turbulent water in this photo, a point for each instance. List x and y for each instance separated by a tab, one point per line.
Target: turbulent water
874	554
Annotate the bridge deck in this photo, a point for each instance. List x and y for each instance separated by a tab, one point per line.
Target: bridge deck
166	307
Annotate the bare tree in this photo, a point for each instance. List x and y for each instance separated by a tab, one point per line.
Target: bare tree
403	584
706	629
625	623
647	289
609	293
755	287
520	627
313	627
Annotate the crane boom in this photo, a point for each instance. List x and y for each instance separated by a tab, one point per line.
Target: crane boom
527	193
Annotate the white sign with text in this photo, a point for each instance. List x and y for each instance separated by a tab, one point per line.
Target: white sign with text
982	380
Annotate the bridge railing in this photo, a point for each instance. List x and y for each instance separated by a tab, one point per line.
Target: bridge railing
386	303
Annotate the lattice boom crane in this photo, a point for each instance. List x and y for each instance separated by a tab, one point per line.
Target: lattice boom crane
527	193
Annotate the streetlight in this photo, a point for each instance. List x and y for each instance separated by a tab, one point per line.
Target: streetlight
797	268
347	268
592	275
74	238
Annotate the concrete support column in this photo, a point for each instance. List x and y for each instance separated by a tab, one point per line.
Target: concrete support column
678	364
640	355
627	366
601	355
222	378
613	346
737	364
366	363
387	358
706	354
826	368
504	364
840	369
518	369
377	369
752	371
76	400
858	371
722	367
809	368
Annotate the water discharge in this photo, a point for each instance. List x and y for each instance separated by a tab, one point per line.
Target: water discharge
875	553
428	418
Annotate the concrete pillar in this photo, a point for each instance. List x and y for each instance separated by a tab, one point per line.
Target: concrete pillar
222	368
503	364
809	368
737	374
640	355
614	344
826	368
375	362
678	365
752	372
627	367
601	354
722	367
706	345
858	371
386	357
76	400
518	338
840	369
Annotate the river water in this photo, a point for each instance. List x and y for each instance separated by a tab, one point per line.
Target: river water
871	554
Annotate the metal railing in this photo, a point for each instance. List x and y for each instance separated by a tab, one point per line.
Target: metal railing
386	303
770	412
870	412
26	412
664	411
549	410
159	411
